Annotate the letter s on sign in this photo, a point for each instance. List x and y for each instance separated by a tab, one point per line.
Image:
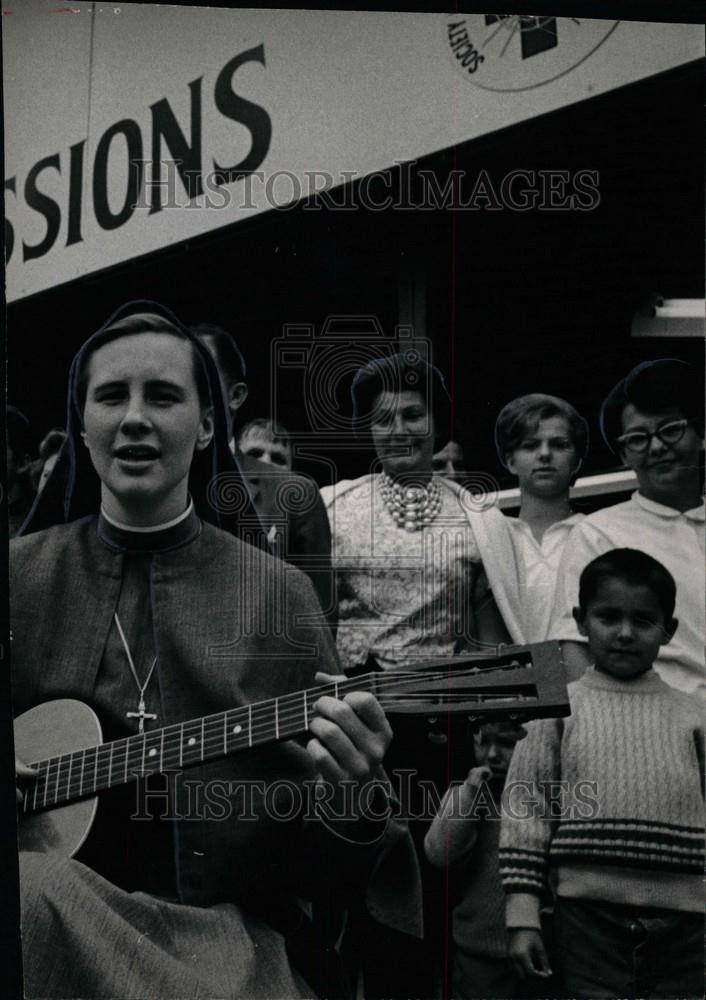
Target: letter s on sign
254	117
9	230
43	204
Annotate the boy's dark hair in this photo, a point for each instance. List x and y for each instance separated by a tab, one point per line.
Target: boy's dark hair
227	355
508	727
633	567
651	387
522	415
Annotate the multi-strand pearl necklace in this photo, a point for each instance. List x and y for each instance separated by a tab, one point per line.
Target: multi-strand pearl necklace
412	506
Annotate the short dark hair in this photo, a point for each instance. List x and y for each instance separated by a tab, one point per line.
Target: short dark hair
504	724
224	349
633	567
129	326
274	431
651	387
404	372
522	416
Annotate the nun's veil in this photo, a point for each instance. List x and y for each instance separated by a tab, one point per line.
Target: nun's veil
216	485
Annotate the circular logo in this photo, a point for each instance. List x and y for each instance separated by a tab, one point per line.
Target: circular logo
513	52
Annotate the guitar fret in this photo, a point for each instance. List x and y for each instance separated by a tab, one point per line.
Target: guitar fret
83	764
56	783
181	744
110	764
45	780
161	753
68	779
95	768
46	783
306	711
142	766
249	725
203	723
277	718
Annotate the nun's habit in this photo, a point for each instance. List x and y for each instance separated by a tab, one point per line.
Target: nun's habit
187	906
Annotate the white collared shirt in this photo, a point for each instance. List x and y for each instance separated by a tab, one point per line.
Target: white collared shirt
539	563
674	538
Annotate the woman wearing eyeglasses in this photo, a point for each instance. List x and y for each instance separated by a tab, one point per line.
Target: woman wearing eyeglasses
653	419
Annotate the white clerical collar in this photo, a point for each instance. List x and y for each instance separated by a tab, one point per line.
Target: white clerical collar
694	514
153	527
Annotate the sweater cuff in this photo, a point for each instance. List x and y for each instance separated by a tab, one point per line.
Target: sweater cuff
522	910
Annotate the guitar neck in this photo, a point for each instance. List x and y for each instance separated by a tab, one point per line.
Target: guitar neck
82	773
523	682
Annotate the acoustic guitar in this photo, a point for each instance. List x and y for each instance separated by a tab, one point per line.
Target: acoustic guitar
62	739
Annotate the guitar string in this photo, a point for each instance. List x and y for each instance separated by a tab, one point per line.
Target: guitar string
290	716
295	698
290	723
288	711
103	776
214	735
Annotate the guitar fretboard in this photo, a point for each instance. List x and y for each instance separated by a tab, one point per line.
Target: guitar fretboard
83	773
523	681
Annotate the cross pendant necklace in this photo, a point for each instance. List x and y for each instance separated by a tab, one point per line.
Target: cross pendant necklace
140	714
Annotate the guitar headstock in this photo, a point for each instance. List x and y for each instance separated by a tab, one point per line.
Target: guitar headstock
520	682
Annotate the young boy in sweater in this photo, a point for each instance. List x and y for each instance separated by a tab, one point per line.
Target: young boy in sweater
624	831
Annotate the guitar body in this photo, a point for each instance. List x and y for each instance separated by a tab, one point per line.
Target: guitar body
49	730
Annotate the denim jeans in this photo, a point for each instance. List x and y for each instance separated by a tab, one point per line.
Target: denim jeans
605	950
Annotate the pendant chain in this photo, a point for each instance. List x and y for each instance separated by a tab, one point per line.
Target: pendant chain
140	714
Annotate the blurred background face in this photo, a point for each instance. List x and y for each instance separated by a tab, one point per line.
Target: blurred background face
259	443
545	459
449	461
142	422
403	433
494	744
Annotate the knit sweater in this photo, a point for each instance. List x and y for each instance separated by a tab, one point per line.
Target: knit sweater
626	824
463	841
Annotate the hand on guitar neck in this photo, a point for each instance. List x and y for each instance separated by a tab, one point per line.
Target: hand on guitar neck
22	773
349	737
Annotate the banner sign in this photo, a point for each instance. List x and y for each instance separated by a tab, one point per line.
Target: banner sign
130	128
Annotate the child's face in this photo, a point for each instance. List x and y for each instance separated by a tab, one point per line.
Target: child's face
545	460
494	745
625	627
